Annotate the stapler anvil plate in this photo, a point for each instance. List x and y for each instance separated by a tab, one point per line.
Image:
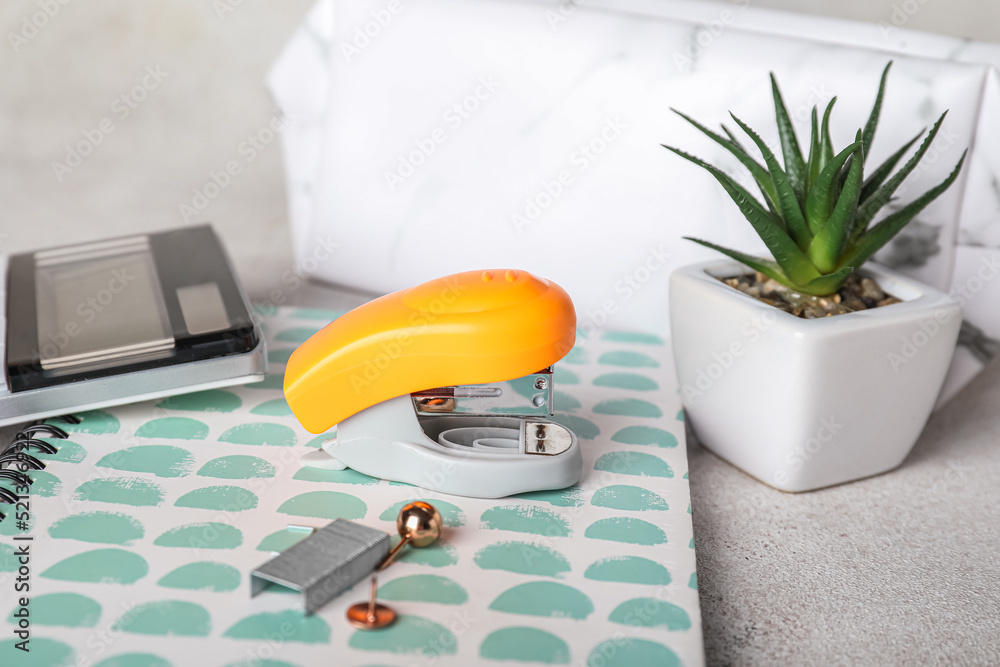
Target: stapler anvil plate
446	386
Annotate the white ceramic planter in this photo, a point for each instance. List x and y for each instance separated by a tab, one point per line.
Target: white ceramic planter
803	404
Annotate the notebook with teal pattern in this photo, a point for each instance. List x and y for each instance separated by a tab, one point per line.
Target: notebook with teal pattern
148	521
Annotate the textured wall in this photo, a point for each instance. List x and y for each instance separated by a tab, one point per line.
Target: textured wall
70	76
66	80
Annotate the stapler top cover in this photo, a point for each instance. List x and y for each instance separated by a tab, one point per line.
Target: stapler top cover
474	327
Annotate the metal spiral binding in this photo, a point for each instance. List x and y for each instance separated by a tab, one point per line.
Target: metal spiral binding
15	455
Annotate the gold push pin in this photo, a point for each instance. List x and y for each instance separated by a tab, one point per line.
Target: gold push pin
370	615
419	524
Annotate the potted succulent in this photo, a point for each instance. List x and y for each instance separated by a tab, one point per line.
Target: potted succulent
807	370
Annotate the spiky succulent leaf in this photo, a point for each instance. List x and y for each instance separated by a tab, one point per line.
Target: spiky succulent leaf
875	179
823	195
829	243
827	284
795	166
815	161
756	170
868	134
767	267
882	196
827	143
732	137
788	255
820	208
873	240
788	202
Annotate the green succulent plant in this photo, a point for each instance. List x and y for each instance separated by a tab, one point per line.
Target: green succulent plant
818	209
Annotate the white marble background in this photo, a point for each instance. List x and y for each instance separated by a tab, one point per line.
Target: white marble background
64	80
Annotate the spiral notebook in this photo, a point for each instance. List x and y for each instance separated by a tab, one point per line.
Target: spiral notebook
145	525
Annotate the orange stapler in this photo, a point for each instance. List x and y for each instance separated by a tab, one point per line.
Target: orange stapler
447	386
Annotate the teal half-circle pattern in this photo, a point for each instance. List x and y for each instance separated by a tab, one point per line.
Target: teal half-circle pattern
292	626
45	484
625	497
237	466
544	598
634	463
628	359
223	498
44	652
98	527
409	635
628	407
629	570
96	422
210	400
260	434
524	644
161	460
583	427
209	535
629	381
277	407
166	618
650	612
523	558
202	576
325	505
106	566
424	588
345	476
280	540
626	530
133	491
632	652
173	428
68	451
632	337
645	435
532	519
569	497
134	660
69	610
